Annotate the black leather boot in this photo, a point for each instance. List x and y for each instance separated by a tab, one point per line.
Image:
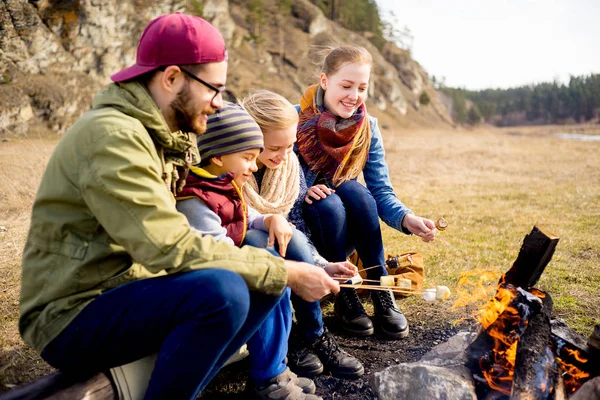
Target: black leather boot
336	361
388	317
351	313
301	360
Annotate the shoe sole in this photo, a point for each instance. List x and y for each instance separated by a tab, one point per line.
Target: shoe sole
396	335
308	373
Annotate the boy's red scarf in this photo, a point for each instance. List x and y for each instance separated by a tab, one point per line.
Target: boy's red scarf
324	140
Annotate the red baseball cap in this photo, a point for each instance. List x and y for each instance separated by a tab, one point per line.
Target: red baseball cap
175	39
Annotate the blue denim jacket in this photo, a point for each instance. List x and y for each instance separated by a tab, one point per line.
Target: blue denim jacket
377	177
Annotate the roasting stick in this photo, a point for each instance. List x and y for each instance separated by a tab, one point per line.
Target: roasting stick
374	266
375	287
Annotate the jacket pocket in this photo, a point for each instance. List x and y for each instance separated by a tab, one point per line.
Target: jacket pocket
70	246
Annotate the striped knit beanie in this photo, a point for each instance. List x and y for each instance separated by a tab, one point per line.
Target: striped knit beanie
229	130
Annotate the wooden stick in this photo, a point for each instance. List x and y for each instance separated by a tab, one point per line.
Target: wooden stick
374	287
374	266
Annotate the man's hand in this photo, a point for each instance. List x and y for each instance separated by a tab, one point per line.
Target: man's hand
343	269
422	227
310	282
281	230
317	192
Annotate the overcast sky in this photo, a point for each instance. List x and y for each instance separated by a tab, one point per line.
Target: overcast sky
481	44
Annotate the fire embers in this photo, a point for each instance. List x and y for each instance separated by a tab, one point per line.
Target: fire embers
517	352
572	364
491	357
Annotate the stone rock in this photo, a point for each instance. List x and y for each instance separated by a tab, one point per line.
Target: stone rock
313	21
451	352
588	391
55	55
217	12
422	381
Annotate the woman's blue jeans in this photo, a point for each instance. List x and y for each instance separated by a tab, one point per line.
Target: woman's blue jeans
309	316
344	221
194	320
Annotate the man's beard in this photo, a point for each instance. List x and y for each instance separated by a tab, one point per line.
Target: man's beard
186	117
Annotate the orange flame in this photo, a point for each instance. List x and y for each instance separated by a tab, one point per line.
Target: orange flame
499	377
573	376
475	287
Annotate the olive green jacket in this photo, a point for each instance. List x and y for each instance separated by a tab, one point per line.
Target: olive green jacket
103	217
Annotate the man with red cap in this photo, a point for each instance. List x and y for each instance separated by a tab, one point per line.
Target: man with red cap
111	271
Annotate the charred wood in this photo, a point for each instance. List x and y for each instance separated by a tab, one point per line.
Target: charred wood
594	340
572	348
486	355
535	254
535	371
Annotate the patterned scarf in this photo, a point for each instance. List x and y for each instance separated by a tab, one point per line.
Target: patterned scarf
336	147
279	188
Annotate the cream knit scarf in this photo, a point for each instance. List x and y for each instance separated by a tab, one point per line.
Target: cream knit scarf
279	189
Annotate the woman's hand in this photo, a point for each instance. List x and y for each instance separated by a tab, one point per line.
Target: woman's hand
317	192
344	269
281	230
422	227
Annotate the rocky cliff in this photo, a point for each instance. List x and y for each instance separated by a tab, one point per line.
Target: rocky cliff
55	54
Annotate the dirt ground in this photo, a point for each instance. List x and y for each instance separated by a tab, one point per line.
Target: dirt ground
430	325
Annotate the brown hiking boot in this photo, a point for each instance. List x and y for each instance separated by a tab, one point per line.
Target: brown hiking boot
285	386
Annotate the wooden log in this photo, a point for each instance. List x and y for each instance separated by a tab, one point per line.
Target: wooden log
535	366
485	356
535	254
594	340
59	386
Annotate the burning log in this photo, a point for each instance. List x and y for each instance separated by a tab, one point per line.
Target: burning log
535	254
594	340
491	357
578	360
535	367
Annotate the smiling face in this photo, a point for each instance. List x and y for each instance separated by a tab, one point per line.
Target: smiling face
346	89
194	101
241	163
278	145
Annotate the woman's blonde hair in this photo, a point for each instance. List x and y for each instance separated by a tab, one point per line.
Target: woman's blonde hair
270	110
331	59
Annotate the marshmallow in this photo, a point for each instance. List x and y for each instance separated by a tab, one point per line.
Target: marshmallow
387	280
442	292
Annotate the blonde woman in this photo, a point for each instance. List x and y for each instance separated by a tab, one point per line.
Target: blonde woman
279	187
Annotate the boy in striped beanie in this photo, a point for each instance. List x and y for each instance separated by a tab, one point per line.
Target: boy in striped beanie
214	204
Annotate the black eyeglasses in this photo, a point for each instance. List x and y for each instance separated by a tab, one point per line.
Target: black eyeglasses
217	90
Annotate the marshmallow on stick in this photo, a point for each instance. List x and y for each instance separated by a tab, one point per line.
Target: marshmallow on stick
441	224
387	281
404	283
442	292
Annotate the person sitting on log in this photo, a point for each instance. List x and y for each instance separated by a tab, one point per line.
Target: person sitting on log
279	187
214	204
111	271
337	140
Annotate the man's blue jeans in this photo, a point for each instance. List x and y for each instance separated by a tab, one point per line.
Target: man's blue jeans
194	320
347	220
308	314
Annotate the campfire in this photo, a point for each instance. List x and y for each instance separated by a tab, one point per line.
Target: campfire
519	353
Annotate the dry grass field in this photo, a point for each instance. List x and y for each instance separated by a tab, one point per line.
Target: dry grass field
492	186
